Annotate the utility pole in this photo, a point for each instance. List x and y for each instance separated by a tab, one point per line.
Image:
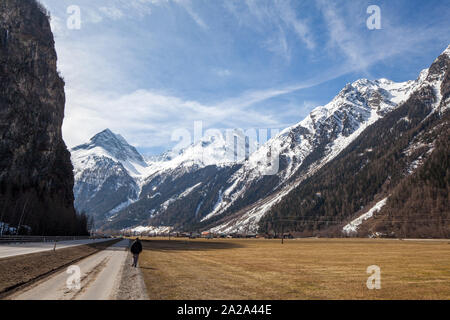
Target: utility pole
1	217
21	216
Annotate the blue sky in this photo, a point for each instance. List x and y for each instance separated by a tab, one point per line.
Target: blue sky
145	68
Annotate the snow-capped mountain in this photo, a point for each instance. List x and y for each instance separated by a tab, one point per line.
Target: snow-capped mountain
251	188
178	187
110	174
109	145
106	171
306	147
396	170
310	144
204	186
211	150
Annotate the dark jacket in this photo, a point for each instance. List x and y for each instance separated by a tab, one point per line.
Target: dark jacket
136	247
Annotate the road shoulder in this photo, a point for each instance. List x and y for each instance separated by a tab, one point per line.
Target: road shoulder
132	286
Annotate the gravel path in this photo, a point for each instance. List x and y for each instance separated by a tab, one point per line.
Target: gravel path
107	275
100	277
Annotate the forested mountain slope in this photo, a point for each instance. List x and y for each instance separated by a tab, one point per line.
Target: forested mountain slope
400	156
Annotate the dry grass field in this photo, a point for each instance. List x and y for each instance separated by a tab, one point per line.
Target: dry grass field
298	269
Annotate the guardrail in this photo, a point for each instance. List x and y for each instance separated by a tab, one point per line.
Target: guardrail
21	239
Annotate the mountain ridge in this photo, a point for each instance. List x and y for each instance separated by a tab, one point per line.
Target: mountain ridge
374	166
238	194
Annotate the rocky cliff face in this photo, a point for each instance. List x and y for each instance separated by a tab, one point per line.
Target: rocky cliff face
36	178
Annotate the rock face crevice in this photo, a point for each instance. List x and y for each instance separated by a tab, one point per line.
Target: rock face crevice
36	179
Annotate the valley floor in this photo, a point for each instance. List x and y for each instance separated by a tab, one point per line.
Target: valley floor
297	269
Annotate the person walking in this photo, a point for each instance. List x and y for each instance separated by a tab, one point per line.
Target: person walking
136	249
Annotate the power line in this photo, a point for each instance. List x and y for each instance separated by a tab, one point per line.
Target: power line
341	222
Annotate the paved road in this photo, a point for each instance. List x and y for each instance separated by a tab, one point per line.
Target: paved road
15	249
101	275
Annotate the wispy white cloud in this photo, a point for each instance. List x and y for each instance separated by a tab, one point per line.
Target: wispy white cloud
278	44
112	12
300	27
150	117
187	5
222	72
253	97
362	48
276	16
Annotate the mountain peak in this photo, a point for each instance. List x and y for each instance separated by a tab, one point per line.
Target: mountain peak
107	140
107	130
209	150
447	51
107	143
105	134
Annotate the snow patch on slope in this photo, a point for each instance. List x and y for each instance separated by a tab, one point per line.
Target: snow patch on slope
185	193
218	205
121	206
353	226
148	230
